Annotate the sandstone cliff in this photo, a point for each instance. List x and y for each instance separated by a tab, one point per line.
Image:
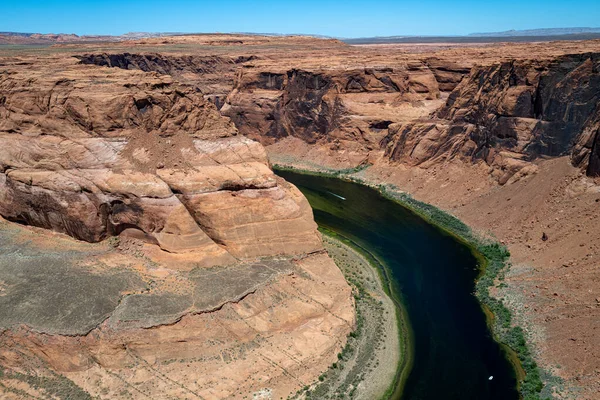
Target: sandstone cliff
93	152
349	107
214	283
437	120
315	105
84	321
510	114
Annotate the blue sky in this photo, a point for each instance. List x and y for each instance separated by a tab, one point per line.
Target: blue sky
349	18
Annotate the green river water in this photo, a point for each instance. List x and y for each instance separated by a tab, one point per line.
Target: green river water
433	275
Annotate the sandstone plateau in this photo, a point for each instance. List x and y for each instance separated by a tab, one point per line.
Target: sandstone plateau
160	141
95	154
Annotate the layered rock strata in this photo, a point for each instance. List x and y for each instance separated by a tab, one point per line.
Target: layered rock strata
93	153
213	283
83	321
509	115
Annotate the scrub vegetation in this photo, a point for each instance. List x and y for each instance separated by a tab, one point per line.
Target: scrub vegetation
53	385
493	259
367	365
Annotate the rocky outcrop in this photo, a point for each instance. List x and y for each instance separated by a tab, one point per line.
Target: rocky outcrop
509	111
213	76
586	152
108	143
269	102
510	114
448	74
93	152
214	283
83	321
322	106
154	62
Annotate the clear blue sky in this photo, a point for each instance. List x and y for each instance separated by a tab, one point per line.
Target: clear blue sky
348	18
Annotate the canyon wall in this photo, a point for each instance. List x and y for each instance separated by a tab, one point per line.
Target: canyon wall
311	106
158	140
347	108
196	273
93	155
211	75
417	109
510	114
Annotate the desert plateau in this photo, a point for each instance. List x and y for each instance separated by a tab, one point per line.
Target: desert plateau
293	216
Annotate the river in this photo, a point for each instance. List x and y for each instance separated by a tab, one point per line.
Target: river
433	274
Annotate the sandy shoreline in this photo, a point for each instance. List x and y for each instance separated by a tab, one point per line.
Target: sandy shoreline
367	366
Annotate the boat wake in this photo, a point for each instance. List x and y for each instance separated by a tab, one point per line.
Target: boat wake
336	195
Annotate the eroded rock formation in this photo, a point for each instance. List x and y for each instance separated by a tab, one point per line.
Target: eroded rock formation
214	284
93	152
118	138
317	106
510	114
505	112
80	320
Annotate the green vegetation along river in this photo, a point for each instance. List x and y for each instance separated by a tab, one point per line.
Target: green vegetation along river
454	354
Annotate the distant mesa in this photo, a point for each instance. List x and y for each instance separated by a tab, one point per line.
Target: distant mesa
529	35
538	32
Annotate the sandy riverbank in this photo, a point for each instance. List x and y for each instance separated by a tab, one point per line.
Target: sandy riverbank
367	366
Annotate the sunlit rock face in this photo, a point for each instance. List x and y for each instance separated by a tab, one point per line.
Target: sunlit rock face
510	114
218	279
95	152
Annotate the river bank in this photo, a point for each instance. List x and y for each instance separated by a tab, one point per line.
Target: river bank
493	259
366	368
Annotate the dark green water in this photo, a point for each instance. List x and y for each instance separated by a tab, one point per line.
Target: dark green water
454	352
